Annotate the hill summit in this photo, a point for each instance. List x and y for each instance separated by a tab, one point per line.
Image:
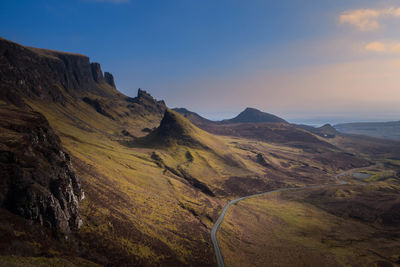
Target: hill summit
328	130
175	129
252	115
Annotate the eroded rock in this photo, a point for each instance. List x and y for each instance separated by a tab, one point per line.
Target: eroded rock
36	176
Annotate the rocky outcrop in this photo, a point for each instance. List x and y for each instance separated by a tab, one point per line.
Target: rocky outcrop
36	177
175	129
144	104
97	73
46	74
109	78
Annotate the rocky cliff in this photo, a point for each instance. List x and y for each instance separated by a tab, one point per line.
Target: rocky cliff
109	78
144	104
36	176
46	74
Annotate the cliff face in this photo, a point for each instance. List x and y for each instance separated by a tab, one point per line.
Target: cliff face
97	73
144	104
109	78
45	74
36	176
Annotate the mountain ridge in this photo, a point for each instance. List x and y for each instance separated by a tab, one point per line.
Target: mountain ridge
149	204
253	115
40	73
248	115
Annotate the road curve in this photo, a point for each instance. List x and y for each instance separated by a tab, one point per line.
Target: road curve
216	226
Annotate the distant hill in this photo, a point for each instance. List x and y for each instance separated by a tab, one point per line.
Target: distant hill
386	130
195	118
249	115
326	131
253	115
258	125
128	181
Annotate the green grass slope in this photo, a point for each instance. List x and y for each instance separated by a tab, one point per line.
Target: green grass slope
154	182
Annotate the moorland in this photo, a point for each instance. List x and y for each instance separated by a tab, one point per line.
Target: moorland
92	177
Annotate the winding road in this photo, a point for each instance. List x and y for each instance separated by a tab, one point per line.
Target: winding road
216	226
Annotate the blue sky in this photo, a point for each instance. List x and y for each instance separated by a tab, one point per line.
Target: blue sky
306	60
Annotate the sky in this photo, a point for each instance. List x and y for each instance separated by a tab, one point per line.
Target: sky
307	61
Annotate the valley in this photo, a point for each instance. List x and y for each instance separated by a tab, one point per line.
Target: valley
105	179
251	234
339	225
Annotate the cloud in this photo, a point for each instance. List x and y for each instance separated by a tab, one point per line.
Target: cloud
367	19
396	48
364	19
390	47
375	47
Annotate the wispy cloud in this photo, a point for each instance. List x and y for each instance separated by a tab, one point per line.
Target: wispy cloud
367	19
375	47
396	48
383	47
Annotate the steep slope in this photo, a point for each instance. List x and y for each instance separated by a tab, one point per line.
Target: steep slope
136	212
154	183
71	85
252	115
37	179
40	73
122	185
175	129
200	150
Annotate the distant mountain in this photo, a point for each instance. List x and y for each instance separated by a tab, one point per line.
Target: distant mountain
326	131
252	115
386	130
88	174
249	115
258	125
195	118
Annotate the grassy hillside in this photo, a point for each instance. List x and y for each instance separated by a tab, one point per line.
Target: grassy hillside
154	182
153	200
